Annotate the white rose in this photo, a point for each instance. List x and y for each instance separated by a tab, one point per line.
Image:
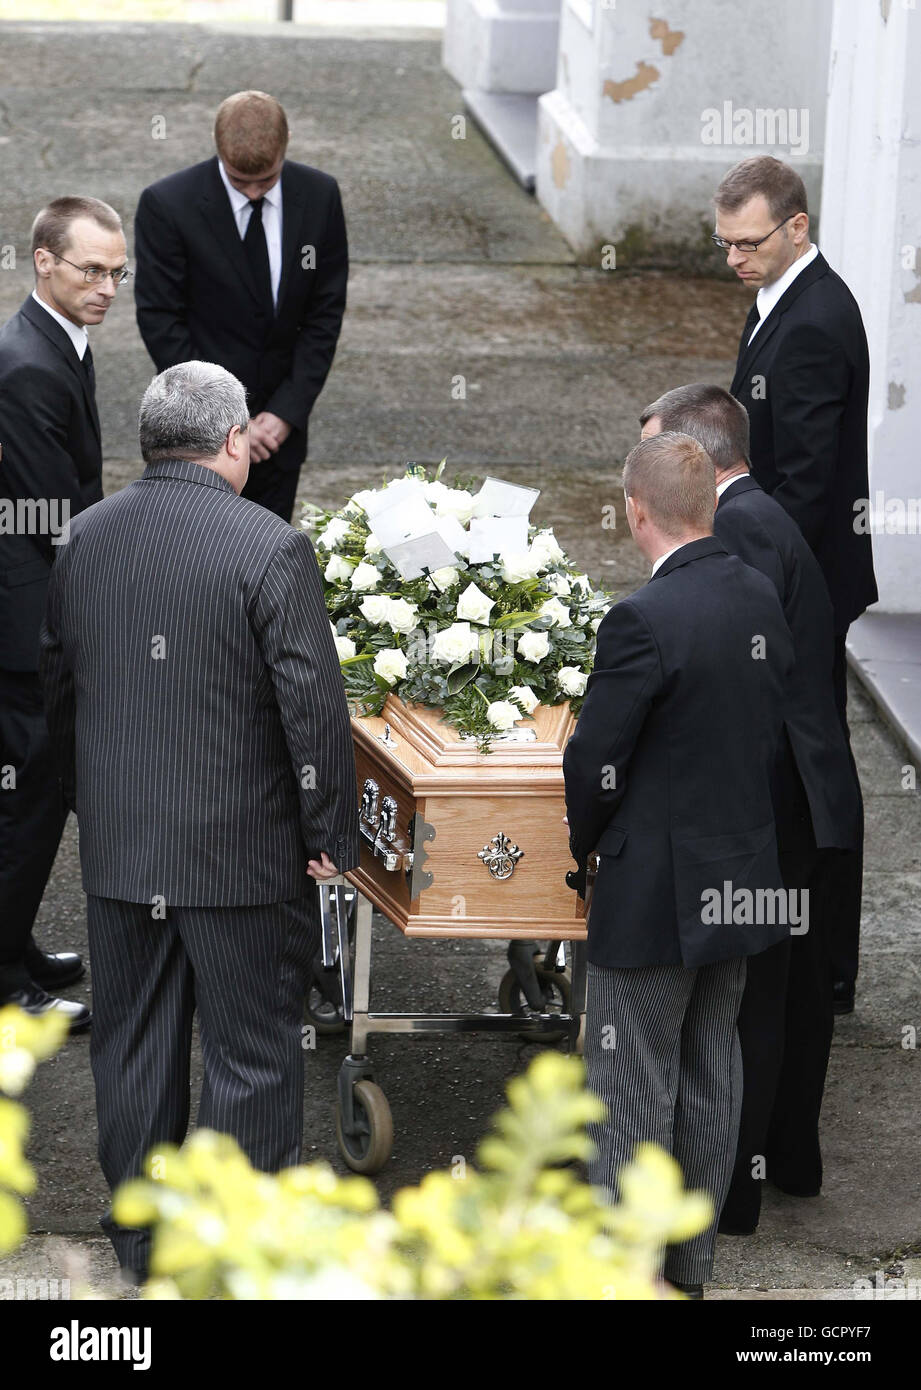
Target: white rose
534	646
595	624
551	608
525	697
545	546
581	581
502	714
445	577
454	643
345	647
557	584
571	680
337	569
474	605
336	531
361	498
365	576
372	544
401	615
434	491
455	501
390	664
518	565
376	608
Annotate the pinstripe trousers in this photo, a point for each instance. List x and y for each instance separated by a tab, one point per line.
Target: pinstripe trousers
245	971
662	1051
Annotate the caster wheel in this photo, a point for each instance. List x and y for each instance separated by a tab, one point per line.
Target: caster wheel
369	1150
556	989
324	1015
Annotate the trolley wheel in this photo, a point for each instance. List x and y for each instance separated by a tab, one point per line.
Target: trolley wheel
369	1150
325	1015
557	991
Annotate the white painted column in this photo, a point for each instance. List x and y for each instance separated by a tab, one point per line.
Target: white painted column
502	45
871	234
653	104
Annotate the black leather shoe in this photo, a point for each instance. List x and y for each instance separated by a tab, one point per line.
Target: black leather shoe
54	971
693	1291
728	1227
842	993
34	1000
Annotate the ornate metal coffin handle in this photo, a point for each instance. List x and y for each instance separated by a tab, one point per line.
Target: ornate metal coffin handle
500	856
369	796
379	836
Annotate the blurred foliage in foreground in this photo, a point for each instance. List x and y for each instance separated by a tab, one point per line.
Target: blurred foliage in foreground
24	1041
519	1227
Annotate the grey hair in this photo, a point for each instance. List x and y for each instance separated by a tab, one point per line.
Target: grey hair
708	414
189	410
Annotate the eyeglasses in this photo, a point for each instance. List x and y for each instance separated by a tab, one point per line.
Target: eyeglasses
94	274
725	245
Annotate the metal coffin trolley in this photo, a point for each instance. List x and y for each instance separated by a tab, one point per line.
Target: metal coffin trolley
455	844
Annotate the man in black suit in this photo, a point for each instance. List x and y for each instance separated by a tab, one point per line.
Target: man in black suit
194	693
51	469
668	777
243	260
785	1024
803	376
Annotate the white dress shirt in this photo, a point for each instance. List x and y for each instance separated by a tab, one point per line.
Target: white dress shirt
768	295
76	332
728	482
271	222
662	558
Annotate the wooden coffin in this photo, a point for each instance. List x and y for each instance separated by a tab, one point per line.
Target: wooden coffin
459	843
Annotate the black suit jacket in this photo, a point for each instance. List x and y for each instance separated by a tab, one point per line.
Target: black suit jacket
683	719
195	697
196	298
49	430
804	382
757	529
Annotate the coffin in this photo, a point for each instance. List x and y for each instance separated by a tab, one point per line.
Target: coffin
459	843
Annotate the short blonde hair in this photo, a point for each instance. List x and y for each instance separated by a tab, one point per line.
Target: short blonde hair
672	475
251	132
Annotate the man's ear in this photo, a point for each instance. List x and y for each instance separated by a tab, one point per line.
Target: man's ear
800	228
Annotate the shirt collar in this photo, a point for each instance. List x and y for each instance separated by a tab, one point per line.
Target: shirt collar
769	295
76	332
239	201
728	482
662	558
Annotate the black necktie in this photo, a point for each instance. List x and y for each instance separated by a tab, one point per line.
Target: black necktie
257	253
86	362
753	318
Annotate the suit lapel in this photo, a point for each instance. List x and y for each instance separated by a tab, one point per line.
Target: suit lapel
749	352
215	208
56	335
293	202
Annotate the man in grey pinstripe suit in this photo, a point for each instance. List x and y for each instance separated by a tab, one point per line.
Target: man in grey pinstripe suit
668	777
194	695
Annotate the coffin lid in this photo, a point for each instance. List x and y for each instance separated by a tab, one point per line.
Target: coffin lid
439	744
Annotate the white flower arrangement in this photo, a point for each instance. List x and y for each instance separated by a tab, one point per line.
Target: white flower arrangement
485	642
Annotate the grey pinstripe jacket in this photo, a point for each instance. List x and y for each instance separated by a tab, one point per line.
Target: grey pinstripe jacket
194	694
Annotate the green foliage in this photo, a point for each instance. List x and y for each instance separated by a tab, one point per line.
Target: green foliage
24	1041
522	1225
